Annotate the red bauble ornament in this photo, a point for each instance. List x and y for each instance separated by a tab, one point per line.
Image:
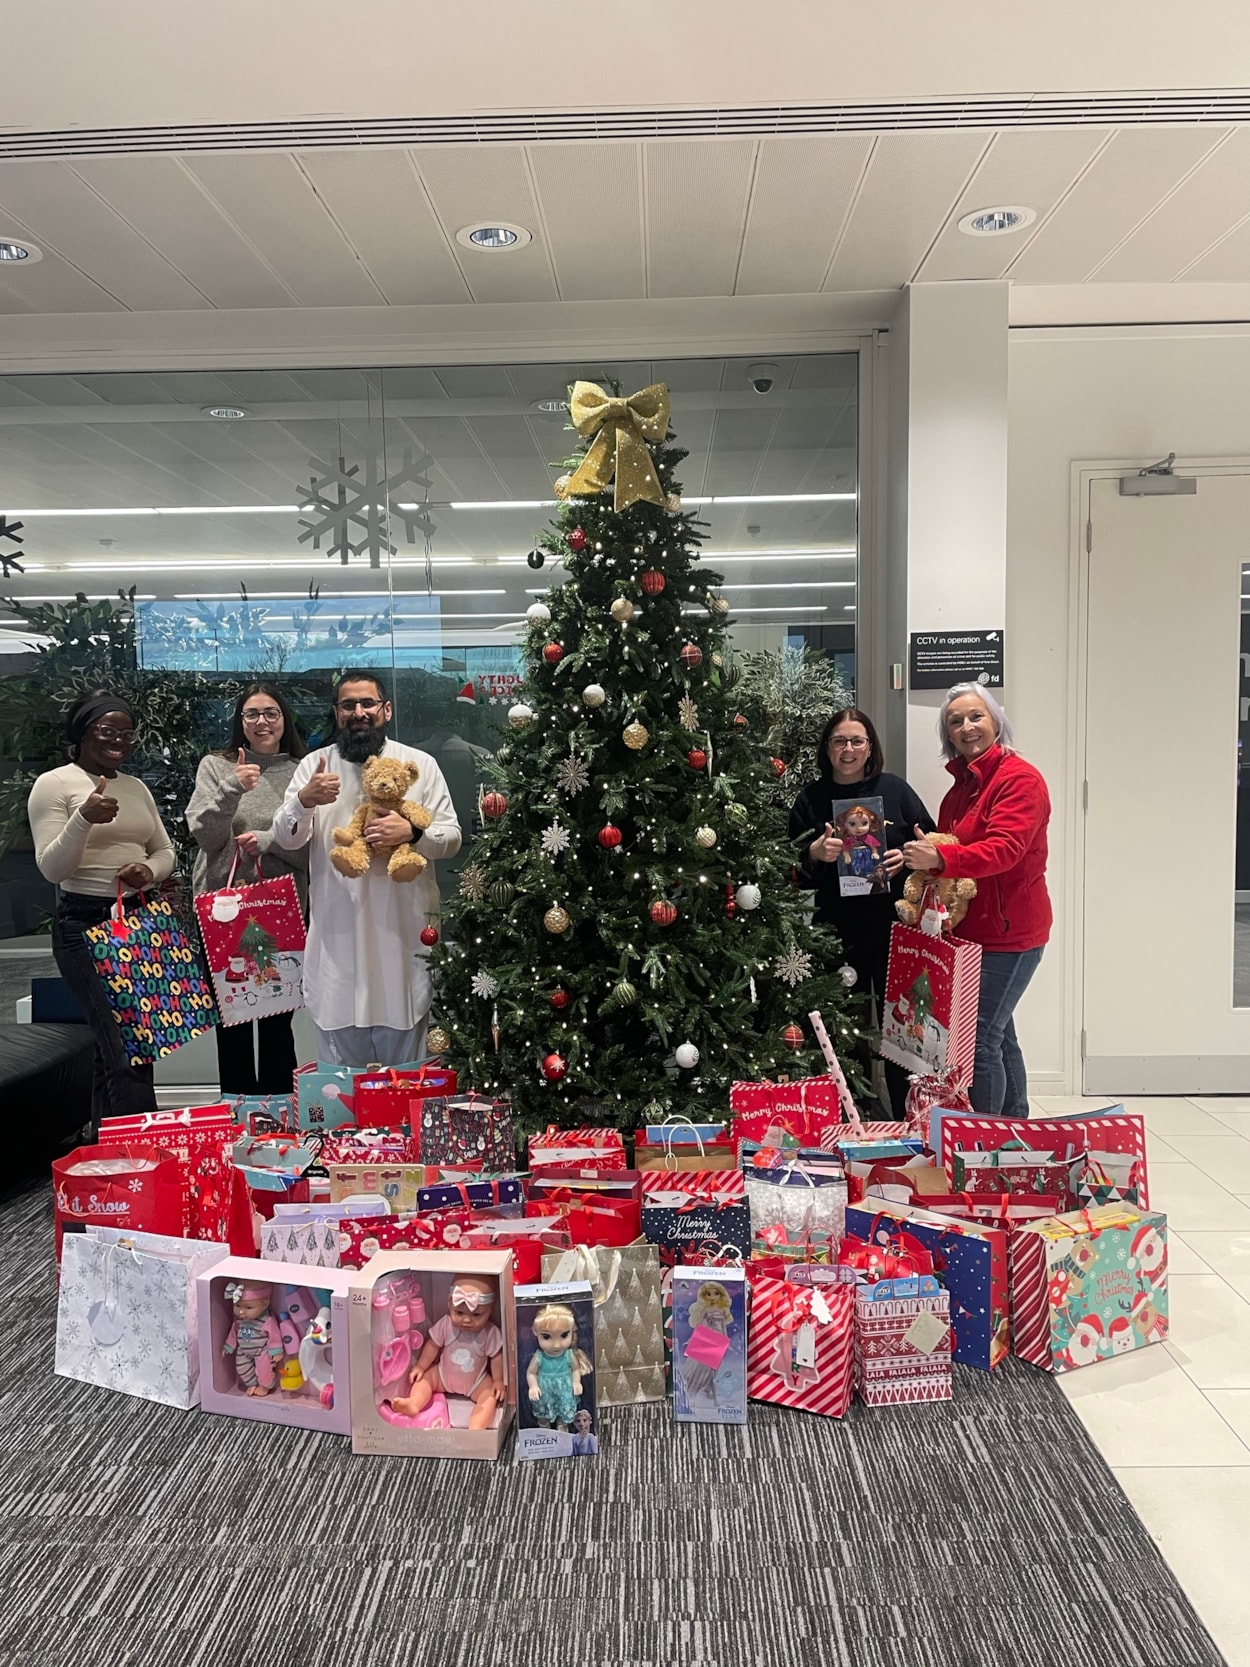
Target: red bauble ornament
740	722
494	805
691	655
652	582
609	837
779	767
554	1067
731	900
577	539
559	998
663	913
429	936
697	758
793	1037
553	653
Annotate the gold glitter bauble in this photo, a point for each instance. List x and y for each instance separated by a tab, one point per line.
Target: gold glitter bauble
635	736
705	837
562	485
718	660
437	1040
718	607
622	610
556	919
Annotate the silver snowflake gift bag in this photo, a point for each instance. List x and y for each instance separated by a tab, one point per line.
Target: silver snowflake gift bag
630	1355
126	1313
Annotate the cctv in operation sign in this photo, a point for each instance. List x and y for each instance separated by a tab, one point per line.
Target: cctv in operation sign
941	658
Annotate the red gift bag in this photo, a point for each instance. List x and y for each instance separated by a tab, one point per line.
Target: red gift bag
804	1113
254	940
591	1218
137	1187
929	1014
201	1138
385	1098
801	1346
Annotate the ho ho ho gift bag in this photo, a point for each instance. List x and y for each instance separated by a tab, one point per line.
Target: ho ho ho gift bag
929	1014
254	940
151	978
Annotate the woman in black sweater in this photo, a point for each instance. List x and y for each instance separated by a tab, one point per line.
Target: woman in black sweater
852	770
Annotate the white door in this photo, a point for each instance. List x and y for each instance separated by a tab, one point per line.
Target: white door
1161	733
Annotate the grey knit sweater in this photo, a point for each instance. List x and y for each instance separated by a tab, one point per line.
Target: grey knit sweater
220	808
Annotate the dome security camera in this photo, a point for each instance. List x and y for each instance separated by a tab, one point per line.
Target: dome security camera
762	377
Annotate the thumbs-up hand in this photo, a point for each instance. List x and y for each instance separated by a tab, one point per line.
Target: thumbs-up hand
920	853
99	806
247	775
322	787
826	847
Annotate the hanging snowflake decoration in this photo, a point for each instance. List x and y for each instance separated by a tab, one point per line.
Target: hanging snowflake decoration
342	500
572	774
485	985
8	559
473	882
793	967
555	839
688	713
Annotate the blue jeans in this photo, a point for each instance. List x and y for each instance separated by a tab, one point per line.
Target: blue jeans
1000	1087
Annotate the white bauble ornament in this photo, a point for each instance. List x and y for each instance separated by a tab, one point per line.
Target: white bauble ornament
538	613
747	896
706	837
622	610
520	715
849	976
594	694
687	1056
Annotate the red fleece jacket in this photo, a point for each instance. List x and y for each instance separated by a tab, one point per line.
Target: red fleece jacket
998	810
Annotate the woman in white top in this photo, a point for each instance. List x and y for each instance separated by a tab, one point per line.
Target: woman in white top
95	828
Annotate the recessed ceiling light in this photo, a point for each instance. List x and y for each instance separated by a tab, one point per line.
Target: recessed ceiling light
15	253
552	405
498	235
226	413
992	222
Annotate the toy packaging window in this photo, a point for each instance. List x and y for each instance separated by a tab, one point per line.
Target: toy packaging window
557	1414
860	825
709	1346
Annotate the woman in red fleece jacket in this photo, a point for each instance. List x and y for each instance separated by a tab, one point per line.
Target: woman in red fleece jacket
997	809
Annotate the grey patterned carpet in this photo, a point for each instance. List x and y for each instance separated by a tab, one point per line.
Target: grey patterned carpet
983	1533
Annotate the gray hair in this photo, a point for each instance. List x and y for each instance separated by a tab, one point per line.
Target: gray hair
1001	721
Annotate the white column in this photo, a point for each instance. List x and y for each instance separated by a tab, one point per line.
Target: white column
947	538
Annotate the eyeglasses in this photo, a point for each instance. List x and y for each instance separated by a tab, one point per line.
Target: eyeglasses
849	744
269	714
364	705
106	732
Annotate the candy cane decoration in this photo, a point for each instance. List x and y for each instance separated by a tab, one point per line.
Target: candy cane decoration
838	1074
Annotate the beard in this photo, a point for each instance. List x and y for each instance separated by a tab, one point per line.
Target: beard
355	745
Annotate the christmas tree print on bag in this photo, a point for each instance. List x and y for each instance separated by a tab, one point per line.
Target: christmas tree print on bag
254	940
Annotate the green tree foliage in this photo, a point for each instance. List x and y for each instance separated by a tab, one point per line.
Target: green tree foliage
789	696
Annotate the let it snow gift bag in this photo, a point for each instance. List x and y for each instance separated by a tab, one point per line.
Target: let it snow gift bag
126	1314
138	1188
254	940
929	1014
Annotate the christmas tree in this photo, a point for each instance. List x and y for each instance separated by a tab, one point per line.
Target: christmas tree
627	939
921	996
257	944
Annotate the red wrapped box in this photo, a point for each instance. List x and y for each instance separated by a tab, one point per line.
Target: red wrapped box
567	1149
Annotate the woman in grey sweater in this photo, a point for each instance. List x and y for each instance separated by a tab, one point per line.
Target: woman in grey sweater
237	794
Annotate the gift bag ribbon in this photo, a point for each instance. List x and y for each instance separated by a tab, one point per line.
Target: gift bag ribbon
622	428
585	1262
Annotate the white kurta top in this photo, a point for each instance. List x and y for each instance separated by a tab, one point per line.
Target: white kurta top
366	964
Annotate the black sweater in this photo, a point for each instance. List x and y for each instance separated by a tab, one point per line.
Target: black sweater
853	917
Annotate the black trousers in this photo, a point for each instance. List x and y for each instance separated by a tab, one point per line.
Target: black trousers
118	1088
867	949
257	1058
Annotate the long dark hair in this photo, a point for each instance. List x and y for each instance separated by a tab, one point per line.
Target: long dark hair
292	741
876	758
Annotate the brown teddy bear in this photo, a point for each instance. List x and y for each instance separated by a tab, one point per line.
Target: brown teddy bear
385	781
955	895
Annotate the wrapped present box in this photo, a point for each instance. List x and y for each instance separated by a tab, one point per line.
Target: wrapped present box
571	1149
902	1341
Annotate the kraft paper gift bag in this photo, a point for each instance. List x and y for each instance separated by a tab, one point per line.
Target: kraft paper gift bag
126	1312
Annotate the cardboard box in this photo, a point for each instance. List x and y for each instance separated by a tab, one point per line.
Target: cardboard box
309	1306
393	1301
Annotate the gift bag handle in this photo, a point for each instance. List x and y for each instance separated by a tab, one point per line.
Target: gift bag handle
672	1124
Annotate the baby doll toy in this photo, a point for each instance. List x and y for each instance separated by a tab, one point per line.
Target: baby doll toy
556	1372
462	1355
254	1338
862	836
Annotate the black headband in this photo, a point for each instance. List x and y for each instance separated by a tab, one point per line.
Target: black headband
94	709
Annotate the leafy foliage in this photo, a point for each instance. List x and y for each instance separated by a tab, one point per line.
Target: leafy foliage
789	696
636	987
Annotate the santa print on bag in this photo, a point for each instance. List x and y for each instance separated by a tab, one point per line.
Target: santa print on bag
917	1012
254	940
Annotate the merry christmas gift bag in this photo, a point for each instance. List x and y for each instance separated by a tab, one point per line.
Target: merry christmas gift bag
254	940
151	978
929	1014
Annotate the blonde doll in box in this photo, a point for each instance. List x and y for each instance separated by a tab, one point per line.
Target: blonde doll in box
463	1355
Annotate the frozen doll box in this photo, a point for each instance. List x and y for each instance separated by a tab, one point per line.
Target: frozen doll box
306	1383
398	1303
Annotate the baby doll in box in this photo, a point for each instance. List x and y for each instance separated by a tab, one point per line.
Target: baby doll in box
462	1355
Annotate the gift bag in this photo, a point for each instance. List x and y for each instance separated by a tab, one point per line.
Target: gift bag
1017	1169
389	1096
680	1146
1104	1134
135	1187
468	1128
929	1012
323	1097
801	1345
787	1114
126	1313
798	1211
309	1244
592	1218
361	1237
528	1241
217	1207
902	1341
151	979
690	1215
629	1317
570	1149
254	942
262	1113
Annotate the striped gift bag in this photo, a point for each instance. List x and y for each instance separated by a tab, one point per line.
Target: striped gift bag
801	1346
929	1014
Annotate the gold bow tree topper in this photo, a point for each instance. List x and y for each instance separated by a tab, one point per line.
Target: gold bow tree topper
622	428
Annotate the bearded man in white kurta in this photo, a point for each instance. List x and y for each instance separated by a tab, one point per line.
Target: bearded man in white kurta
366	972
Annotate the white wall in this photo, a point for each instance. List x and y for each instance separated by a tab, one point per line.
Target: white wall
1130	395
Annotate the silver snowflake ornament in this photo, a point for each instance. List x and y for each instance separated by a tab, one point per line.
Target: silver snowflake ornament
342	500
473	882
687	713
555	839
793	967
485	985
572	774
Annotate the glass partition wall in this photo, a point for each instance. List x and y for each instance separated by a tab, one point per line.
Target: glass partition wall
289	524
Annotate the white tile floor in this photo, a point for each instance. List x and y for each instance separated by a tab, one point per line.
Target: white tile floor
1173	1422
